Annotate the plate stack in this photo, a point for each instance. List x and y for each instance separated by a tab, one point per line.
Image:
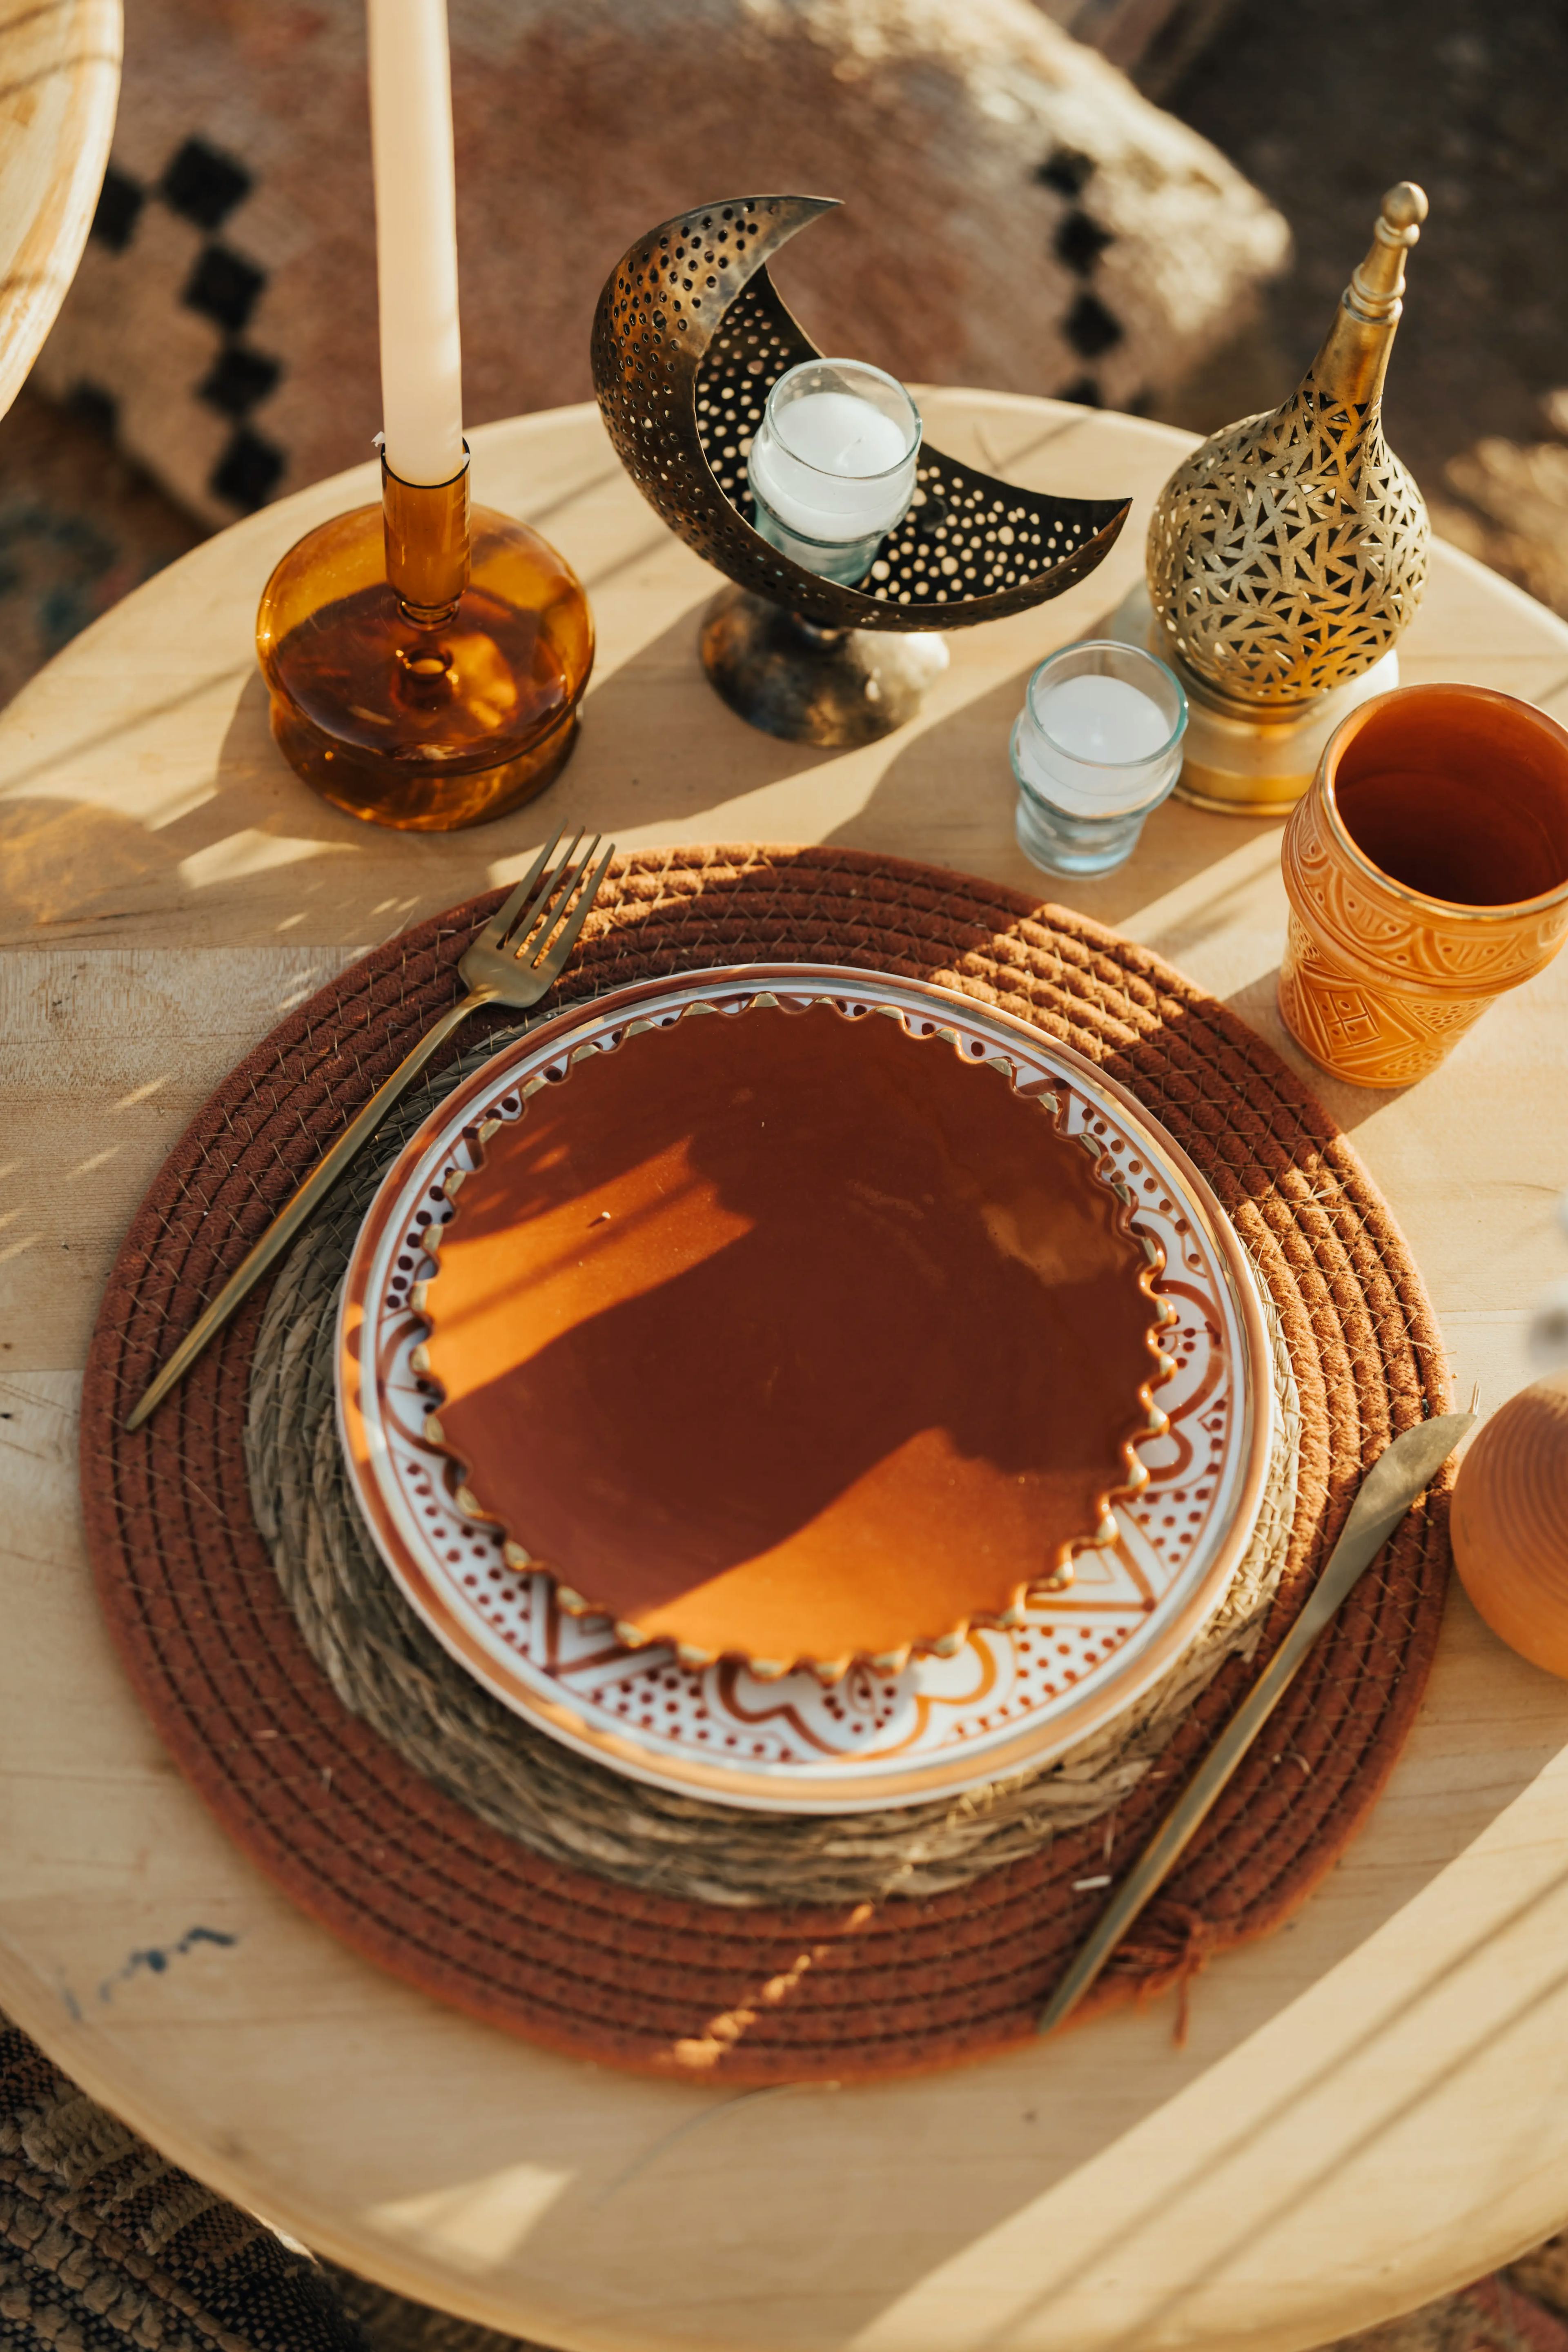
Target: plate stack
804	1391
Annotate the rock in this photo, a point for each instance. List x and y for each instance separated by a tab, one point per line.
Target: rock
1016	215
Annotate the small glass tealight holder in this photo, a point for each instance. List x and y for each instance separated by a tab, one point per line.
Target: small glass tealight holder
1097	745
832	468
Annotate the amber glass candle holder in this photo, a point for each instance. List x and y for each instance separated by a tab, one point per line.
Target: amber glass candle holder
424	662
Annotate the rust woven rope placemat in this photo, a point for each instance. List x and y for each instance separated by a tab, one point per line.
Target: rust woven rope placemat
765	1993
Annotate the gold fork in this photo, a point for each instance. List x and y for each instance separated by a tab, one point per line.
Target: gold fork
512	960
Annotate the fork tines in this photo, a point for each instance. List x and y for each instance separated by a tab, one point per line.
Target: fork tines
528	935
541	897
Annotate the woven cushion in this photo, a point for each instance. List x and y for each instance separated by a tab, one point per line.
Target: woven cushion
223	323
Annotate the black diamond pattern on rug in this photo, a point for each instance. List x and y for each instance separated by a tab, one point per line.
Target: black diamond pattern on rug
224	287
1067	170
95	407
238	379
203	184
1091	328
248	471
1080	241
120	202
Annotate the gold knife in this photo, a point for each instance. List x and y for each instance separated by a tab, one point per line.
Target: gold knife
1402	1472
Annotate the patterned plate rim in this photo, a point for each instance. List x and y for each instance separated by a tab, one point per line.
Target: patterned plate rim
786	1788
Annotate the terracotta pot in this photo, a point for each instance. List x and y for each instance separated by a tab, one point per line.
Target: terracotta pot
1510	1523
1427	872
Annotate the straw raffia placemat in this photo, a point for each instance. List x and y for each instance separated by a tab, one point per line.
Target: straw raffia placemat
389	1669
413	1877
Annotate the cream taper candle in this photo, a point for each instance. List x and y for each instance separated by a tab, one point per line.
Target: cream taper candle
416	238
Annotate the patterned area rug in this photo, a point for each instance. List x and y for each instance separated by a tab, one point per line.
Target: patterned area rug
79	528
104	2247
1495	2315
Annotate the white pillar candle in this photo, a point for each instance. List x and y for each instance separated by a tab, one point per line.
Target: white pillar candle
416	238
1103	720
835	468
1095	746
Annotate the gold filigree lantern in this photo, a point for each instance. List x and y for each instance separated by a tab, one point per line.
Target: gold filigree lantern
1287	555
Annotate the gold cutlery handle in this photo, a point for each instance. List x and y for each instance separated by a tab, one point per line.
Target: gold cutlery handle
1181	1825
299	1209
1402	1472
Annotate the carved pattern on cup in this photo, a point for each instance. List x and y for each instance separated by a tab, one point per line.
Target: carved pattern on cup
1373	925
1361	1028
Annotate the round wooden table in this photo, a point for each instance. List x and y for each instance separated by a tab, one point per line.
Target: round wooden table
1371	2106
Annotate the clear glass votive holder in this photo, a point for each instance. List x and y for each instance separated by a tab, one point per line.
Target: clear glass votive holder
1097	745
832	468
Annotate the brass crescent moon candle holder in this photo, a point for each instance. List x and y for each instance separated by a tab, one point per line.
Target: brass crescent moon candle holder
689	337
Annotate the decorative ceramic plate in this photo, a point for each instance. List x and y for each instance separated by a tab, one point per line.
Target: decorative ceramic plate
1006	1699
789	1337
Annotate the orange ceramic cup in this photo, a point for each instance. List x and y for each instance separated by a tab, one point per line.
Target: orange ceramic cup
1427	872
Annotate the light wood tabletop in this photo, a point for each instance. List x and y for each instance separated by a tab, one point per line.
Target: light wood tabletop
1371	2106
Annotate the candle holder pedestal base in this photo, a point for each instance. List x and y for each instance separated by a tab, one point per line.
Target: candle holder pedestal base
835	687
1242	761
424	716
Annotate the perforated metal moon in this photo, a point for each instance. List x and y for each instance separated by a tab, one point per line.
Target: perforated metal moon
689	337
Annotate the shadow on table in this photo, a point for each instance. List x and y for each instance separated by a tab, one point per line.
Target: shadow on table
660	746
952	778
658	749
78	864
879	2190
65	863
1349	1107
